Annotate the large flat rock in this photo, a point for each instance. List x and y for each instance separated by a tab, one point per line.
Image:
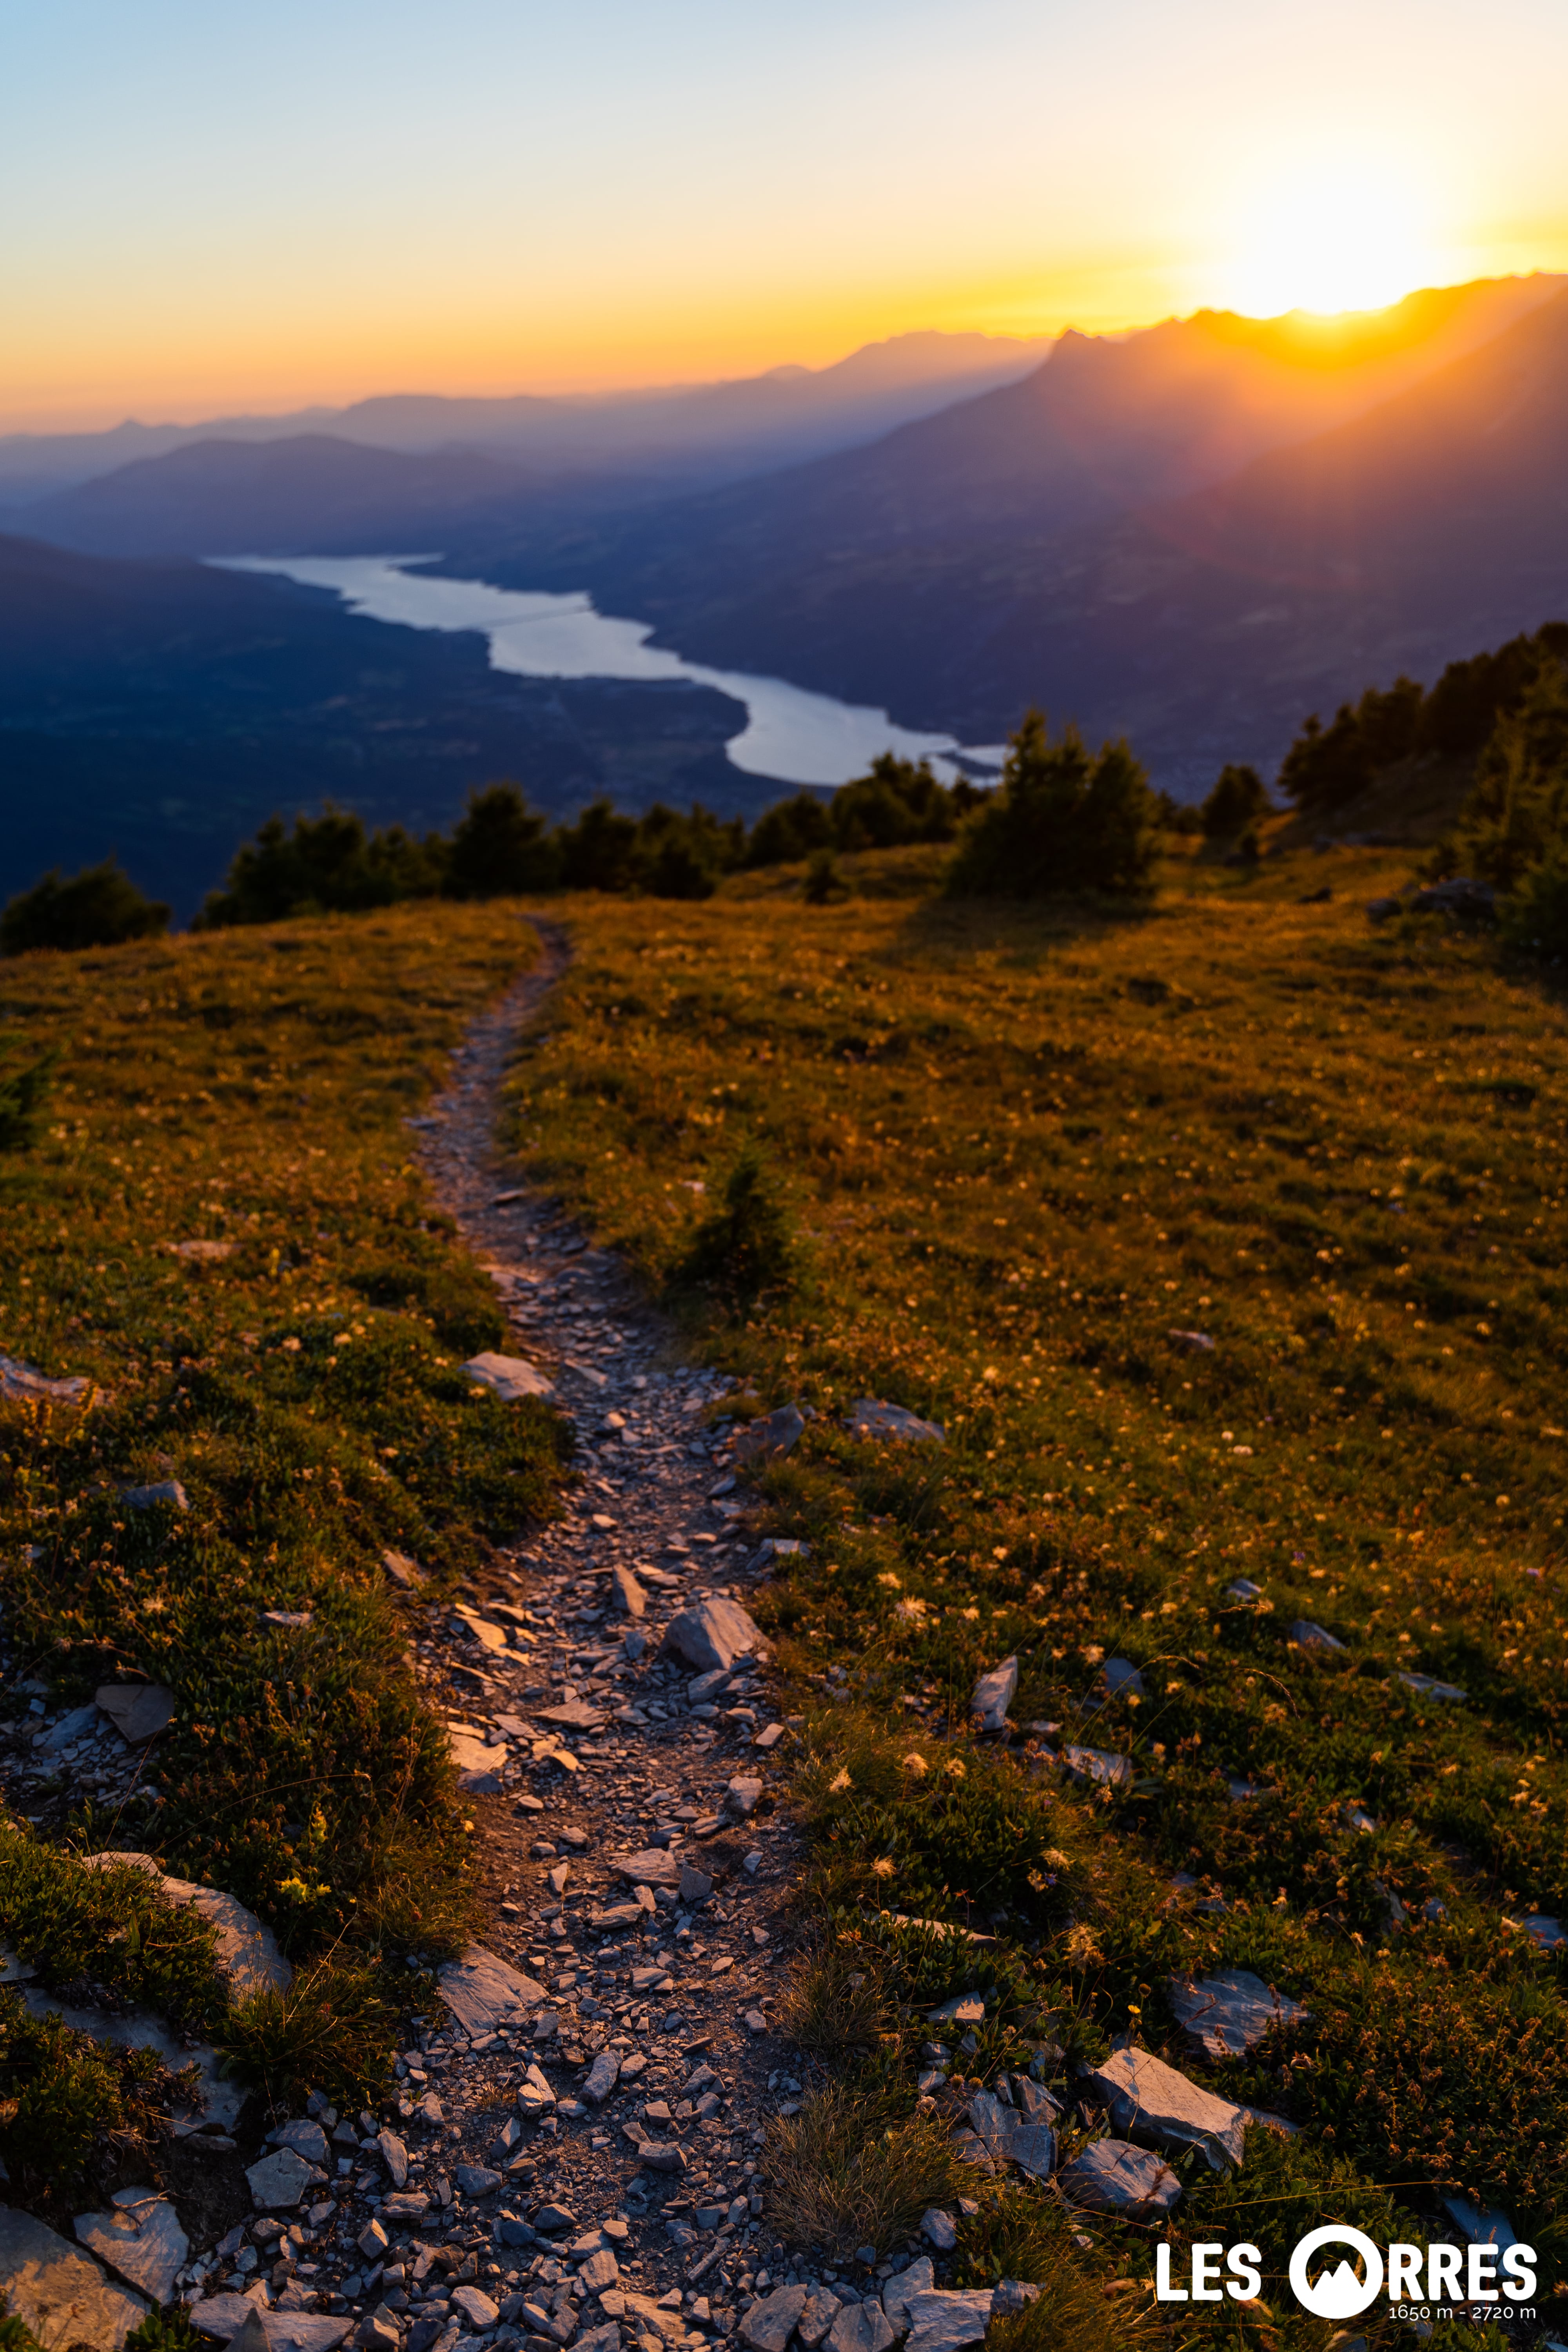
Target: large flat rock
483	1991
1111	2176
1227	2013
655	1866
510	1378
223	2316
141	2238
248	1952
219	2099
1148	2100
59	2291
944	2318
138	1711
873	1417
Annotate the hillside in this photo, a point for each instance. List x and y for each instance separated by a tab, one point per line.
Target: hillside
1052	542
165	710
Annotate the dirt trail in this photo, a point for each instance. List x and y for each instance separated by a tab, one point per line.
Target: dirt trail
582	1747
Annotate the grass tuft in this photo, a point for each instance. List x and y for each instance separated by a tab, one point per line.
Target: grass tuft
841	2175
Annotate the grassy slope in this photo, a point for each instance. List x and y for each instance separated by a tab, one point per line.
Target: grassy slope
1023	1148
250	1087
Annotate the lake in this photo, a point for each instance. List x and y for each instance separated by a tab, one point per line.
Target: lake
801	738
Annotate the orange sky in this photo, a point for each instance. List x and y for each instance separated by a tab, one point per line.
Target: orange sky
208	211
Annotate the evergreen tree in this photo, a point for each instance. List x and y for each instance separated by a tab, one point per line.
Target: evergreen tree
501	848
1063	820
98	908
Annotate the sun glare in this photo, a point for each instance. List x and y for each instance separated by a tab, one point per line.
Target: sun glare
1338	237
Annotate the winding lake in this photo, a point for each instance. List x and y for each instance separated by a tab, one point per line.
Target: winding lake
801	738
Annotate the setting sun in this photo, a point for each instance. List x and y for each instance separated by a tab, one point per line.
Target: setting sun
1336	237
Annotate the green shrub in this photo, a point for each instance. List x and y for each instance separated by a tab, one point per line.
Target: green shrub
824	883
98	908
22	1096
1237	802
501	848
1063	820
791	829
16	2336
63	2096
746	1246
165	2331
327	864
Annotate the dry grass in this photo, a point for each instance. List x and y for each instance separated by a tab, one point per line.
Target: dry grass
841	2175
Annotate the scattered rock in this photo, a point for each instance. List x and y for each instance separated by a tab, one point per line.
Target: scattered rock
1111	2176
279	2181
660	2155
713	1634
1012	2296
1123	1679
1192	1343
601	2077
901	2289
1225	2014
860	2327
655	1866
510	1377
226	2316
201	1252
626	1593
403	1570
306	2139
873	1417
1099	1765
1308	1636
771	1437
822	2308
1146	2096
1463	896
963	2009
482	1991
167	1492
1547	1934
943	2319
1244	1589
992	1696
1425	1686
138	1711
476	2180
940	2228
22	1382
141	2239
395	2156
600	2270
769	2322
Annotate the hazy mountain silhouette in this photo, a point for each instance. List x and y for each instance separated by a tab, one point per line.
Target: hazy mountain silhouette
1036	545
681	432
263	497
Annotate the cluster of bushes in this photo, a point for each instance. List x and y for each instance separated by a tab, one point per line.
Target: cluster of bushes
1327	766
1062	819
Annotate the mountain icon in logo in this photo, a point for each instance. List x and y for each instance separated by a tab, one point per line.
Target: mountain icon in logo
1336	2294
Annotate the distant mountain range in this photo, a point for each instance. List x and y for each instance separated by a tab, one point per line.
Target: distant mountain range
1194	534
688	433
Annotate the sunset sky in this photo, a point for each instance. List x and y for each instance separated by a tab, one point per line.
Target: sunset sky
207	208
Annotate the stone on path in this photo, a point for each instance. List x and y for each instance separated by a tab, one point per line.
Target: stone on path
601	2077
247	1950
655	1866
1144	2095
141	2239
600	2270
940	2228
943	2319
740	1798
576	1715
651	2318
1111	2176
1308	1636
615	1916
306	2139
660	2155
138	1711
510	1377
771	1436
489	1637
476	2180
770	2323
713	1634
393	2155
873	1417
476	2307
626	1593
694	1885
1227	2013
482	1991
822	2308
278	2181
1033	2148
992	1696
